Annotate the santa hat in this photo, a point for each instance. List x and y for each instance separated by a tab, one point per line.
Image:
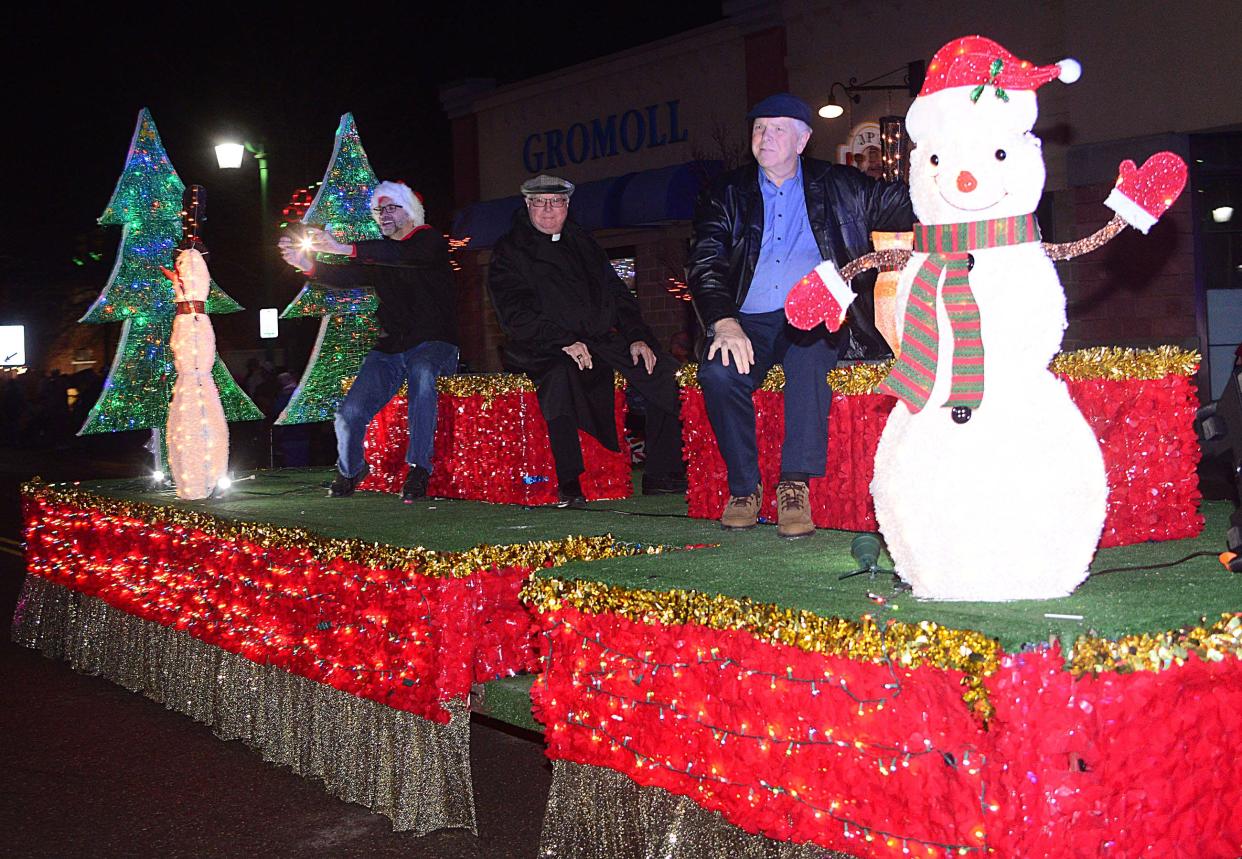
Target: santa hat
974	71
400	193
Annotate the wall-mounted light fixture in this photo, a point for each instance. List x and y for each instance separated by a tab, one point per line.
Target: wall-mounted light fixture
915	72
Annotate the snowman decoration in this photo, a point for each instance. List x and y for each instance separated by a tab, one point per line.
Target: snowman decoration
989	485
198	435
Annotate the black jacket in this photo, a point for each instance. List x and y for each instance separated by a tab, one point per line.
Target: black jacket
413	282
843	207
549	294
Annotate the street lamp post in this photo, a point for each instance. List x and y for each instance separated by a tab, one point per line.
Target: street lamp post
229	156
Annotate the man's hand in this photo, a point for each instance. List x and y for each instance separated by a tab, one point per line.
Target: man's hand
294	254
731	341
640	349
580	353
322	242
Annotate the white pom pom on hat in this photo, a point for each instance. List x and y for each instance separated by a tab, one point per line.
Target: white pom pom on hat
1071	70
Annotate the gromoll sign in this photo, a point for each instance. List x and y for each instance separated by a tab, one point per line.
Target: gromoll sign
604	137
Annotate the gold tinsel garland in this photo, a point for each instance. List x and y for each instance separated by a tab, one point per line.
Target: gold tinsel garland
1101	362
486	385
1118	364
417	560
906	645
1158	651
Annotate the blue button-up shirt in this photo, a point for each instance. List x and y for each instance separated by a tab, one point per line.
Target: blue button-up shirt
787	250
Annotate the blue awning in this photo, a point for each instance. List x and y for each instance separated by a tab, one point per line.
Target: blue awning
630	200
666	194
485	223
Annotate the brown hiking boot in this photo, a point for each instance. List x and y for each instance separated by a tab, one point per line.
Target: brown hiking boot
793	510
742	511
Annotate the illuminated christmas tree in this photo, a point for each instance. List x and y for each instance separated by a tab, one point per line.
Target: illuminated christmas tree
348	329
147	205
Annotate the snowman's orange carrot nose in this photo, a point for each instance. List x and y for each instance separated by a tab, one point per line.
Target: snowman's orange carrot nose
966	182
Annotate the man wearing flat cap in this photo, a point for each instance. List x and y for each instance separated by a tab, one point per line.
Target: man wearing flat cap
757	231
570	322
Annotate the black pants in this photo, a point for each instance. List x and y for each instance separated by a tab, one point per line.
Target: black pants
573	399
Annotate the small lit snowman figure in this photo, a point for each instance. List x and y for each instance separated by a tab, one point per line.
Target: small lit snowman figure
198	435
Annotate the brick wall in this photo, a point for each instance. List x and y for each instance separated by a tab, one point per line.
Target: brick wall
478	330
661	254
1135	291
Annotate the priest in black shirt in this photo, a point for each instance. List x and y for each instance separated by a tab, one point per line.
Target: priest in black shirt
409	270
570	322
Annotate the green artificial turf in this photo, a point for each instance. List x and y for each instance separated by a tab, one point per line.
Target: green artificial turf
754	564
506	700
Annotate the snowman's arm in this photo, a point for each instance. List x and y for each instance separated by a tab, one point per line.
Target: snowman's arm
1095	241
889	259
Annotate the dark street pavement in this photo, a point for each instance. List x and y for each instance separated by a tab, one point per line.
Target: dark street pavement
89	768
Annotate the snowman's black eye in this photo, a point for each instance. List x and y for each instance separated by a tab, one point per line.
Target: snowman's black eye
935	159
1000	154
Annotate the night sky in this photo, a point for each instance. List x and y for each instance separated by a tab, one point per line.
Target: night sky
75	85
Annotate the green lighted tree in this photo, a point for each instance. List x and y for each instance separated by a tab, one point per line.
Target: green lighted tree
348	329
146	204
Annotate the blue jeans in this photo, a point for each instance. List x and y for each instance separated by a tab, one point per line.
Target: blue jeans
806	356
378	380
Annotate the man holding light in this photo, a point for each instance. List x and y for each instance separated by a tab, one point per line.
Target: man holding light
417	315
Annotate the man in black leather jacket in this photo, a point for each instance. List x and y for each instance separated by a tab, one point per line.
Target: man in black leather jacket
757	231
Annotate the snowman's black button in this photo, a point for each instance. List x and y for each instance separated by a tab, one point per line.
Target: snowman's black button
970	261
960	414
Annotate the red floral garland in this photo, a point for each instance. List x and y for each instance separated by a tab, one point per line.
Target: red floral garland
878	760
407	640
1145	429
492	448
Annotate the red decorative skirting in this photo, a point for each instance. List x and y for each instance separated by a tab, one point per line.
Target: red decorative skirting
493	447
396	636
880	760
1145	428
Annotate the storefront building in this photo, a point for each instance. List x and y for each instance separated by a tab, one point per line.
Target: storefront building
641	133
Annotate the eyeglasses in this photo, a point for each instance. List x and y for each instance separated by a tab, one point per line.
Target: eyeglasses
557	202
387	210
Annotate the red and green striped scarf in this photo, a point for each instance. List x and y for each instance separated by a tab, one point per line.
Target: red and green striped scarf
947	247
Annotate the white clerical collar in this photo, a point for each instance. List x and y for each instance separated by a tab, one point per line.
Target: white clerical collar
556	237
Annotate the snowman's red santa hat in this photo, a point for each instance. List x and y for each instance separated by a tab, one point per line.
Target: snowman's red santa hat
400	193
972	77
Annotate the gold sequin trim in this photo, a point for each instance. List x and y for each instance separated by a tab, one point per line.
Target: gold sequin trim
416	560
1102	362
905	645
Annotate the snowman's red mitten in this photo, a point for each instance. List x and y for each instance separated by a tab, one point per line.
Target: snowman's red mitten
1143	194
821	296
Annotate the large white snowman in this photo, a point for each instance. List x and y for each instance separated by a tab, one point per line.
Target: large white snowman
989	484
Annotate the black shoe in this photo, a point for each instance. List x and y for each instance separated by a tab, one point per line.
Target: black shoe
415	486
570	495
343	487
672	484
